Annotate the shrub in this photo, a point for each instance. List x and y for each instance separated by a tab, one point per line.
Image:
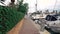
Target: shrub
9	17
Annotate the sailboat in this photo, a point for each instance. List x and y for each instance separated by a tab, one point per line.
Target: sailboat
53	21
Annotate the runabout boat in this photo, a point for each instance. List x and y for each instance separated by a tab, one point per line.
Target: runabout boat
53	22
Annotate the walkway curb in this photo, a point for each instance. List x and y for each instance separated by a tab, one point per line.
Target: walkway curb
17	28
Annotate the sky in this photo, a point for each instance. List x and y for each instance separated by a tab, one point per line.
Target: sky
42	4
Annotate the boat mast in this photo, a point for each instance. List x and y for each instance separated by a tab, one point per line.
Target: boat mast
55	6
36	6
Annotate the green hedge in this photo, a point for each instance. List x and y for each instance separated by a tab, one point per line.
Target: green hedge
9	17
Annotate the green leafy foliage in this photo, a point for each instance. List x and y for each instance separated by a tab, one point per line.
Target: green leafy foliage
10	16
23	8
